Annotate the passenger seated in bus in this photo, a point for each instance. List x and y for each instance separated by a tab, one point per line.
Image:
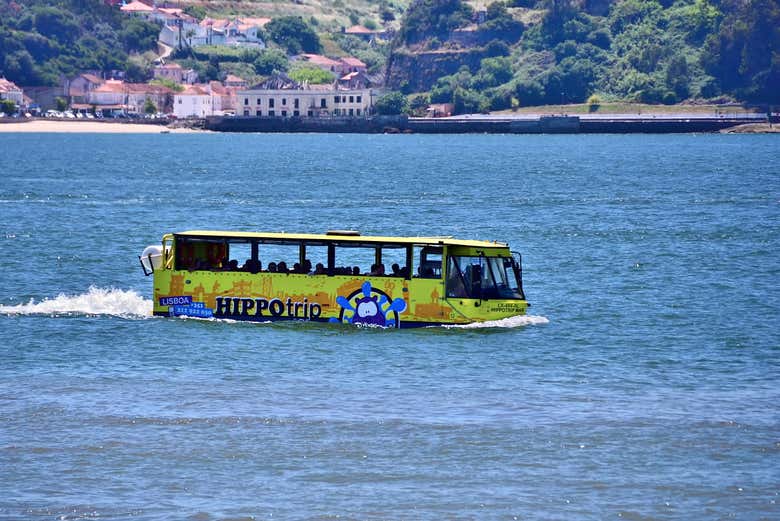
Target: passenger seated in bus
426	272
396	269
306	268
231	265
404	272
282	267
252	266
297	268
377	270
355	270
271	267
319	269
455	287
474	281
200	265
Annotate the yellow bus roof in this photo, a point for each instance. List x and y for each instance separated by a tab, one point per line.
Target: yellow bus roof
342	238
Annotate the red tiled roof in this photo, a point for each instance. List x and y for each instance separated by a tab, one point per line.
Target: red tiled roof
318	59
8	86
352	62
92	78
136	7
193	90
217	88
214	22
255	22
119	87
358	29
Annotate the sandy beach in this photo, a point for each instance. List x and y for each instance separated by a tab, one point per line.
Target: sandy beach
88	126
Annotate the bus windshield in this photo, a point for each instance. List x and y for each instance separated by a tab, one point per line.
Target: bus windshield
483	278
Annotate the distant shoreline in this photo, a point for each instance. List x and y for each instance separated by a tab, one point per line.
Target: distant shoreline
88	126
657	123
500	123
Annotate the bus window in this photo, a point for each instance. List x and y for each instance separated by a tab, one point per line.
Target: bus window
482	278
239	256
281	258
316	259
394	260
200	254
354	260
428	262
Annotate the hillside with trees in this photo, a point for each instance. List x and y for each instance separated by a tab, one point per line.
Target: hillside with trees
566	51
480	57
40	40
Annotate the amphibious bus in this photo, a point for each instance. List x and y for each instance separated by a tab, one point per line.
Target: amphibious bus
339	276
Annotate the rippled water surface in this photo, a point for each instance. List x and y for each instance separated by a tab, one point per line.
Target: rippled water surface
643	386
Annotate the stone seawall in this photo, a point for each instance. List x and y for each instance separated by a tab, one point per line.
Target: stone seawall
486	124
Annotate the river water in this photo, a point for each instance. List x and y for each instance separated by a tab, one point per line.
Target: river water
643	384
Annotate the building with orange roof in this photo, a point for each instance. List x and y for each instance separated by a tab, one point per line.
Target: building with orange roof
10	91
232	80
355	80
79	87
116	95
364	33
137	7
351	64
223	98
193	101
320	61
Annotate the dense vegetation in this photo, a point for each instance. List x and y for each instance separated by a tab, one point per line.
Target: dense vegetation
644	50
518	52
40	40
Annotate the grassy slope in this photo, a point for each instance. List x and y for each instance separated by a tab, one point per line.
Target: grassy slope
629	108
331	14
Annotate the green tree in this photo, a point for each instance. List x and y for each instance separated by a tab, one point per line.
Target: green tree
433	18
149	107
391	104
529	92
139	35
60	103
293	34
385	13
469	101
167	82
311	75
57	24
271	61
500	24
744	54
7	106
678	77
419	104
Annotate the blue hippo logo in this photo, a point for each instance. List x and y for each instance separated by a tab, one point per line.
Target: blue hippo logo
370	307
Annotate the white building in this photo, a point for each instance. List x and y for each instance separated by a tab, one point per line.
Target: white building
185	31
282	97
9	91
175	72
193	101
